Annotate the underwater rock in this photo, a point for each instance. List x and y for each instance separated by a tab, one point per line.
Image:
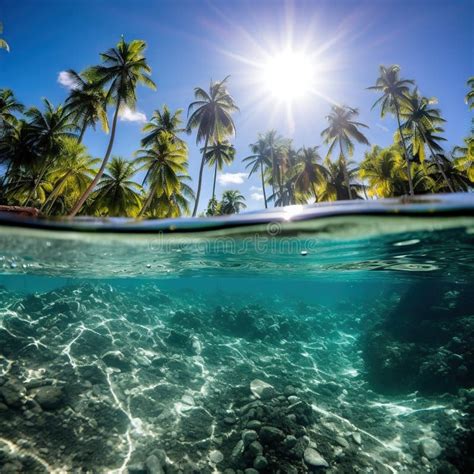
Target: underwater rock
12	393
261	389
430	448
216	456
153	465
249	436
260	462
271	435
314	459
49	397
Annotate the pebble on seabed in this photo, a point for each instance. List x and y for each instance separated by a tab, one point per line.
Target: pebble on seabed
304	253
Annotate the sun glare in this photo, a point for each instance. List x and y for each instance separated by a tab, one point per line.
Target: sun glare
288	75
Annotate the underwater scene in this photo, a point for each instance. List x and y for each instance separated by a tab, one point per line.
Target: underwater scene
339	345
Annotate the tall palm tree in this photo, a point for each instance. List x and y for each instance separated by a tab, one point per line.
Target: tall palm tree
421	123
232	202
87	103
3	43
308	172
163	121
219	154
394	92
259	160
274	144
72	173
8	107
117	194
341	131
470	94
123	68
48	129
164	163
383	169
211	114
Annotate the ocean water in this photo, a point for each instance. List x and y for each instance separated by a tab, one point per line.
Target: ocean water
336	341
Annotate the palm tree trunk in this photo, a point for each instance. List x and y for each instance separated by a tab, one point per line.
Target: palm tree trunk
37	183
410	182
90	188
83	130
344	170
214	185
315	193
441	170
263	186
201	169
148	201
272	157
55	193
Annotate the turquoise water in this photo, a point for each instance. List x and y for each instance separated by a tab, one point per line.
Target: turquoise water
337	344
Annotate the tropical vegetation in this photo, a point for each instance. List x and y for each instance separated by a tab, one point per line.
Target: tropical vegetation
45	163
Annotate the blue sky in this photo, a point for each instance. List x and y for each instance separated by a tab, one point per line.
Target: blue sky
190	42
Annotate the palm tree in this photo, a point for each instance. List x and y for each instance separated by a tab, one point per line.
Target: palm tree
219	154
211	113
174	205
422	121
342	130
232	202
3	43
17	149
163	121
123	68
23	180
383	168
464	158
8	106
48	129
87	104
470	94
394	92
334	186
308	172
164	162
259	160
274	143
72	173
117	194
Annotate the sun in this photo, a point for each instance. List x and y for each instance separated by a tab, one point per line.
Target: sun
288	75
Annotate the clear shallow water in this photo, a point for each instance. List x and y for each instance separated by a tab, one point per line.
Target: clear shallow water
151	352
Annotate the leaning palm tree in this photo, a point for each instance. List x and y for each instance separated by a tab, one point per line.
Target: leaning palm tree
341	131
394	92
163	121
470	94
48	129
308	172
123	68
71	175
163	163
421	123
117	194
8	107
219	154
25	179
211	113
259	160
3	43
275	146
87	103
232	202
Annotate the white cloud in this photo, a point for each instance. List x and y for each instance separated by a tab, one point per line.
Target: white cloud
382	127
256	188
64	78
257	196
128	115
231	178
